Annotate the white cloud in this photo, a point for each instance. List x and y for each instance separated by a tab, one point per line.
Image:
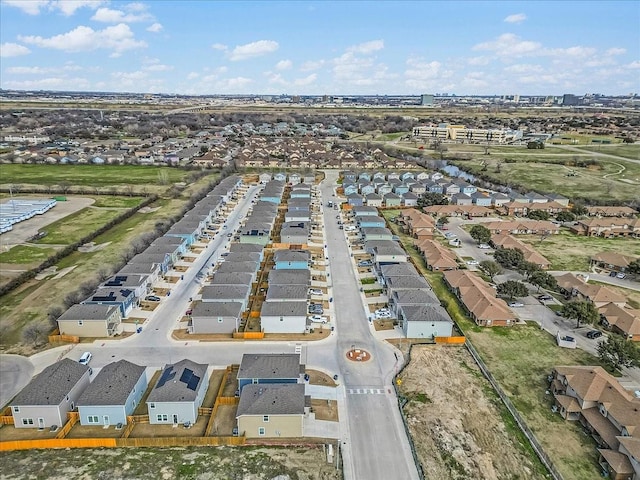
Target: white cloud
155	28
312	65
108	15
308	80
193	75
66	7
276	79
509	45
516	18
254	49
522	68
69	7
367	48
13	50
237	82
479	60
61	83
421	74
284	65
219	46
158	67
634	64
616	51
118	38
30	7
28	70
570	52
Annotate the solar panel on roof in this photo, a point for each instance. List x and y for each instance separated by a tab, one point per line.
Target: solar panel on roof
167	375
193	383
186	375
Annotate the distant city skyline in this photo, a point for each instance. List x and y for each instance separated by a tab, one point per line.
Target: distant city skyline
321	47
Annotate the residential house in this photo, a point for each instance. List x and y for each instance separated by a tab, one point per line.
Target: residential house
611	211
272	411
481	198
292	259
364	210
529	253
392	200
369	221
45	401
91	320
215	317
355	200
621	320
139	284
284	317
461	199
424	321
287	293
295	233
123	298
437	257
178	394
269	368
608	227
613	261
373	200
385	251
376	233
113	395
599	295
608	412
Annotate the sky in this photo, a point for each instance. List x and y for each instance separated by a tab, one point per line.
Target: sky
321	47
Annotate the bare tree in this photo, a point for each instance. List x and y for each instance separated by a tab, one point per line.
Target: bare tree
34	333
53	314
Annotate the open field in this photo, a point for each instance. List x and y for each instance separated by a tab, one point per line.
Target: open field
78	225
520	358
212	463
90	175
31	301
567	251
457	421
621	150
602	183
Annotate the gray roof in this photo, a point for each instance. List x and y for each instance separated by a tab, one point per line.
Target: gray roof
272	399
291	256
398	269
270	309
138	268
173	384
243	257
242	267
406	282
424	313
245	247
364	210
225	292
113	385
376	231
110	294
127	281
235	278
149	258
288	276
169	240
384	247
89	312
52	385
414	297
287	292
217	309
270	365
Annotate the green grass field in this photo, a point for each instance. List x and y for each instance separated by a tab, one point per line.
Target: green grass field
554	177
89	175
621	150
77	225
106	201
26	254
567	251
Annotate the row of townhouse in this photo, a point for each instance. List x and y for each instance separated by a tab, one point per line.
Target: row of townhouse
523	227
461	134
479	299
609	414
615	314
613	261
101	314
270	386
529	253
608	227
437	257
418	225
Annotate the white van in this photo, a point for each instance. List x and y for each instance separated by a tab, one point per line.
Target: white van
85	358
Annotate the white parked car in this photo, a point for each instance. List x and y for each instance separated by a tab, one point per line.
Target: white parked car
85	358
516	304
472	262
315	291
317	319
484	246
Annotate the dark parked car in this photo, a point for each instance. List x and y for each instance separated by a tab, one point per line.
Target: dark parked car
594	334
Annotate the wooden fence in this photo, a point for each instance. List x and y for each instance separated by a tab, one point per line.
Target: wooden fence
249	335
73	419
450	340
55	337
120	442
6	420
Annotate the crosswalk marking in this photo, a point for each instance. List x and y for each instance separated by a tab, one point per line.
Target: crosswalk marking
365	391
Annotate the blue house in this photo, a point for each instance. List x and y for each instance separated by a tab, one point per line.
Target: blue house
350	189
269	368
480	199
407	176
368	188
113	395
400	189
364	176
280	177
292	259
355	200
123	298
370	221
384	188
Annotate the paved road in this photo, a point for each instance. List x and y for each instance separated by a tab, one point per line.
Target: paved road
15	373
375	445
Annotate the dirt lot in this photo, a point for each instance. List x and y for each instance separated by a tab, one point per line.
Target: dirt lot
219	463
456	420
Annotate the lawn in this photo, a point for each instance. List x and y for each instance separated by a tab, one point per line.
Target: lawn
621	150
570	181
108	201
567	251
520	358
26	254
90	175
78	225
